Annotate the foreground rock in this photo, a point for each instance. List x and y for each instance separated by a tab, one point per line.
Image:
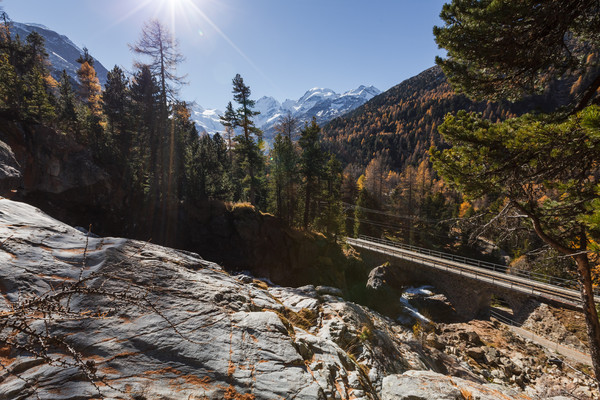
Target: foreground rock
424	385
156	323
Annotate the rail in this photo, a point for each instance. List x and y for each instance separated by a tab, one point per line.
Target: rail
549	279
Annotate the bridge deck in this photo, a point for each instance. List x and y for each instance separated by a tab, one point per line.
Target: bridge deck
519	284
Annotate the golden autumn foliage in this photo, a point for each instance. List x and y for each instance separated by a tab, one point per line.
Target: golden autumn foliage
90	89
464	207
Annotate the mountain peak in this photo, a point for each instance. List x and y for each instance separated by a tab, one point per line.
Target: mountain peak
322	103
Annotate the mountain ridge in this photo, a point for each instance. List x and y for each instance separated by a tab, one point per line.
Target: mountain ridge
62	51
322	103
401	123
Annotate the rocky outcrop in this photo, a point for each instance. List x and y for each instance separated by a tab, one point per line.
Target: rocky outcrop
151	322
240	238
495	353
542	321
425	385
50	162
10	170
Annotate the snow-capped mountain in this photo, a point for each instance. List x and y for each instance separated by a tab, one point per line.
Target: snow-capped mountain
62	52
207	120
323	104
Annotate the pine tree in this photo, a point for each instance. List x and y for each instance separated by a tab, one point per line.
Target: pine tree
9	85
38	104
507	49
145	137
229	121
86	58
67	115
116	104
283	178
311	166
248	150
35	53
331	218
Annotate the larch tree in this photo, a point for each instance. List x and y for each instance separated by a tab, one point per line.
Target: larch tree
89	84
375	175
159	45
545	166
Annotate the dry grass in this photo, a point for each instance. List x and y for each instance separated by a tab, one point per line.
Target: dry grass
244	205
232	394
467	395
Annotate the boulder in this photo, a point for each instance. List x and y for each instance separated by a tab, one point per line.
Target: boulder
428	385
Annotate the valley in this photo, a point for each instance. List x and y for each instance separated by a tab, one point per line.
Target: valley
434	240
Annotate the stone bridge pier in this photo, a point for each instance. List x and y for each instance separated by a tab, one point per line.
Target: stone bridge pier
470	297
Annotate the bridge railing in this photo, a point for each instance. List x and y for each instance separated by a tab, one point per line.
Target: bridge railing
551	280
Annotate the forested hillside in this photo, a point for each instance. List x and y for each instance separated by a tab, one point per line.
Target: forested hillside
402	122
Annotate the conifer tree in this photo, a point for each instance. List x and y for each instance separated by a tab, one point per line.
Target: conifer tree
506	49
89	85
35	53
9	85
85	57
542	165
145	105
158	44
331	217
37	102
247	148
311	166
284	175
229	121
365	223
12	68
67	115
116	104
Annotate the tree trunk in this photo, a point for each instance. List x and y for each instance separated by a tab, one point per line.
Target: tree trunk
589	310
307	204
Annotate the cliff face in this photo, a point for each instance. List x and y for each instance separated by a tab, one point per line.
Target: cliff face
50	170
128	319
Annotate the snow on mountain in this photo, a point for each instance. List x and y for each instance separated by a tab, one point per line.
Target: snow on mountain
321	103
207	120
62	52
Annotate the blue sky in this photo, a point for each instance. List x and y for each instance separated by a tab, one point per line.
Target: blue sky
280	47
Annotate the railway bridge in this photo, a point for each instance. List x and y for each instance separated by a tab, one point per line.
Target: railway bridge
470	284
